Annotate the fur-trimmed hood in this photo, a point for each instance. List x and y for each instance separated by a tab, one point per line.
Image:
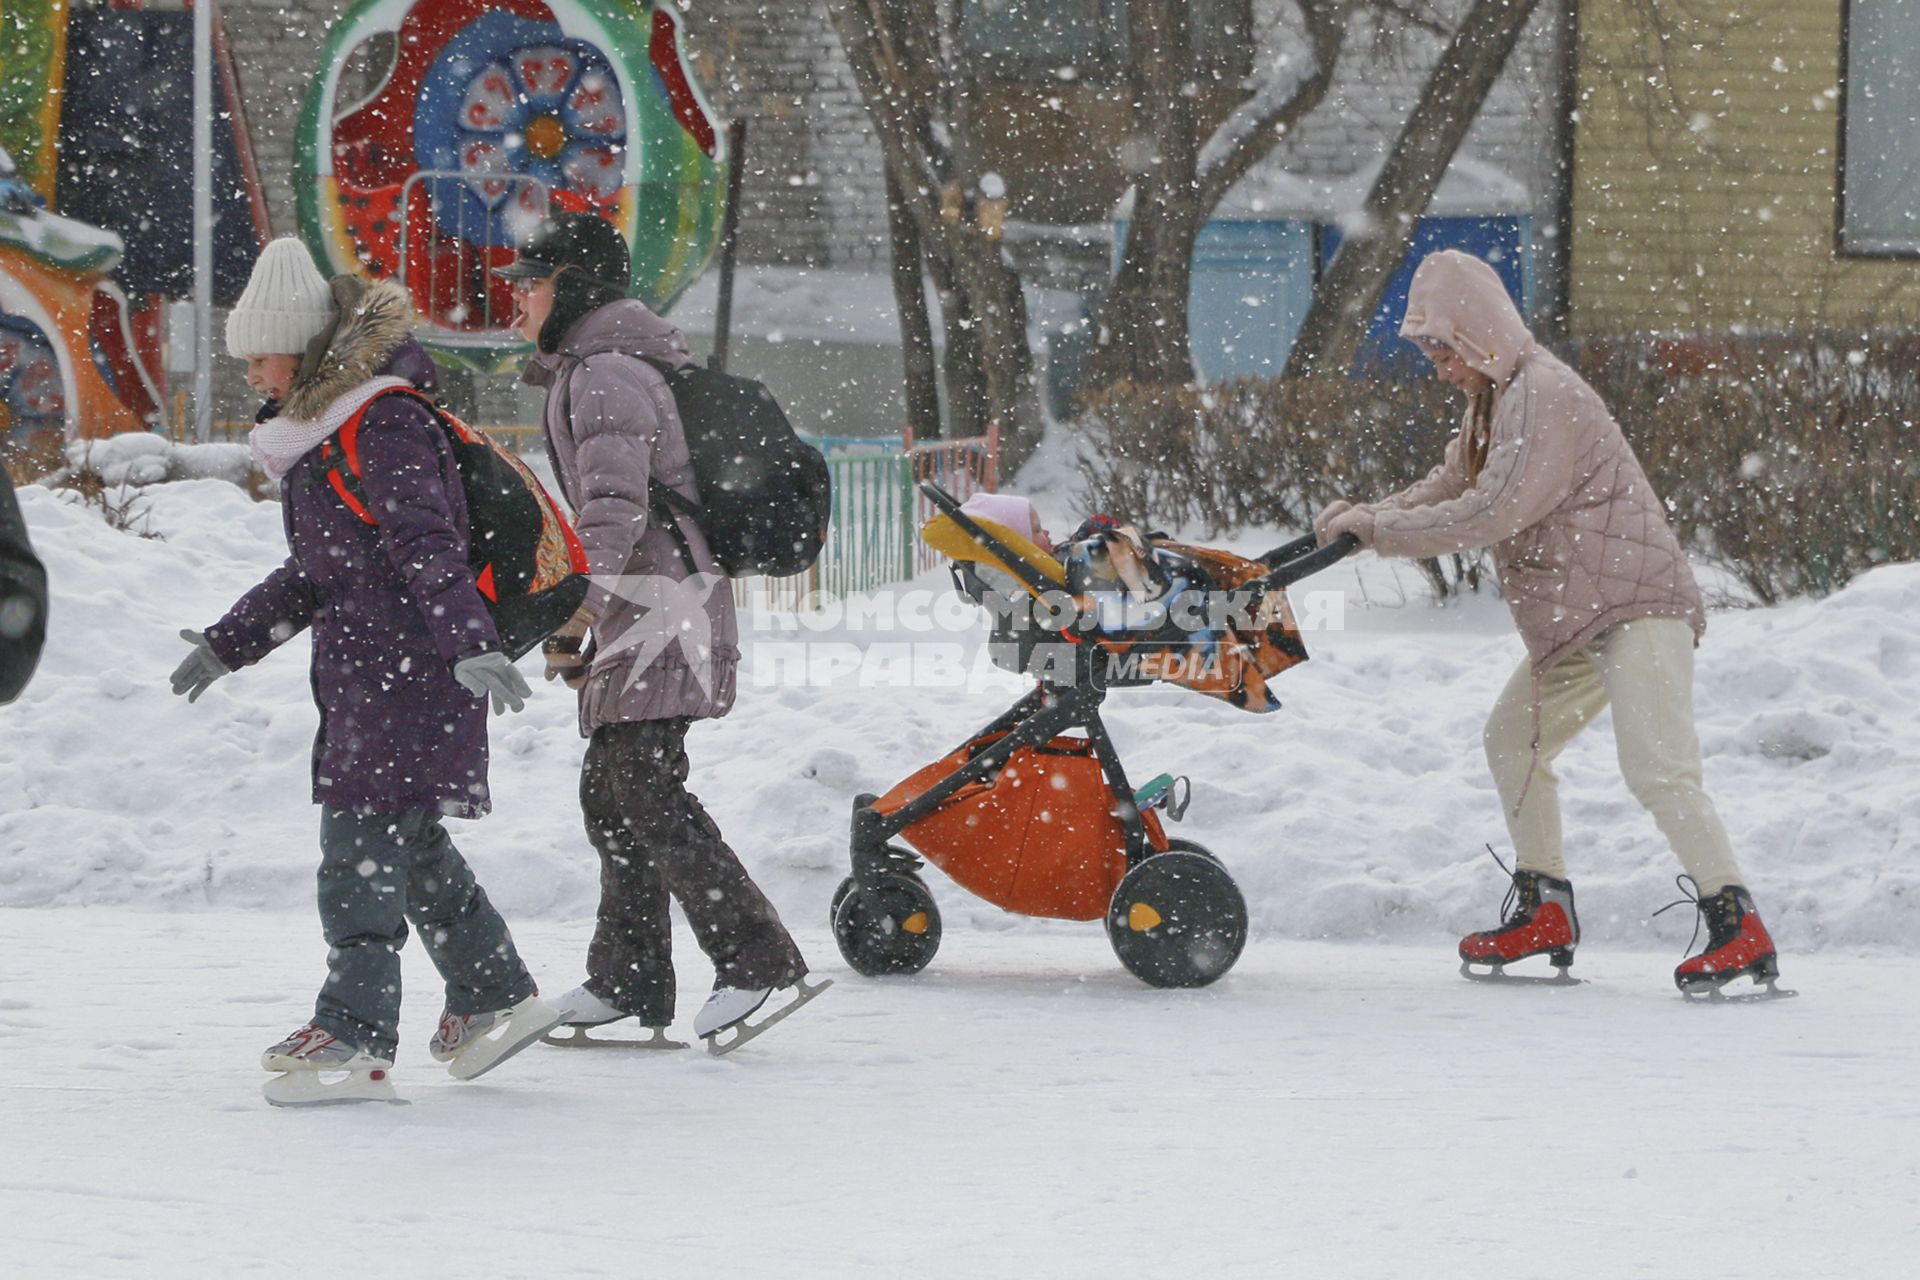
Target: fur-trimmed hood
370	335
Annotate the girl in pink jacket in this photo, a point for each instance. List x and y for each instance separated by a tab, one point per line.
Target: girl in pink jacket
1600	589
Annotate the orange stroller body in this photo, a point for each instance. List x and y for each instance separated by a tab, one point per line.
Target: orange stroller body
1034	813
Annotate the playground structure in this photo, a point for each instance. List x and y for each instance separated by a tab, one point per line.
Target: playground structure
94	223
69	365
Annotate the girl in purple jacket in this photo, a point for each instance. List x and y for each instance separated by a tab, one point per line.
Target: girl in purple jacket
405	657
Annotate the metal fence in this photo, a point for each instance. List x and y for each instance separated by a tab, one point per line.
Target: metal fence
453	232
877	513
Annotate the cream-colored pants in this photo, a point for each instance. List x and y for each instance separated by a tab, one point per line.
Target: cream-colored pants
1644	667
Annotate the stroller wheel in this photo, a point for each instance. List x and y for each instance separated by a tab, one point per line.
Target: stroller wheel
905	861
1177	845
892	929
1178	919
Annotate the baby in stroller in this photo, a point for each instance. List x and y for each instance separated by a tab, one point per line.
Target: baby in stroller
1153	609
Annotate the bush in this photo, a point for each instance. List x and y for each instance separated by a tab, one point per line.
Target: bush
1793	462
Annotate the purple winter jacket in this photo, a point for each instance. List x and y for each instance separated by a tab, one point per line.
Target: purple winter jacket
392	608
664	646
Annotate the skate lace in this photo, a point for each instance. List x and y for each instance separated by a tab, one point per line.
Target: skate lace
1691	899
1511	903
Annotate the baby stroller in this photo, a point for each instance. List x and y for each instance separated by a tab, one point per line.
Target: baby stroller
1042	822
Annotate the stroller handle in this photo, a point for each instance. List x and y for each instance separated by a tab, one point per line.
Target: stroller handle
1281	554
1304	557
1288	564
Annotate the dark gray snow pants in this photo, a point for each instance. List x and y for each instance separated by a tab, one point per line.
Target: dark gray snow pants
377	872
655	841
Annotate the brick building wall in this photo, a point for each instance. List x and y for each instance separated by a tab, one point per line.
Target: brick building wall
1379	82
814	192
276	51
1707	171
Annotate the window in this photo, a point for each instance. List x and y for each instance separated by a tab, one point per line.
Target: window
1064	40
1045	39
1880	129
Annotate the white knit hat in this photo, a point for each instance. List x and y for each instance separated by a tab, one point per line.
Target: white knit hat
285	306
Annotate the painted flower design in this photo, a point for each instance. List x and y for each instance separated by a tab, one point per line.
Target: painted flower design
530	104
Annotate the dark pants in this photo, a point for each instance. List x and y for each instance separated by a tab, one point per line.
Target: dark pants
656	840
377	872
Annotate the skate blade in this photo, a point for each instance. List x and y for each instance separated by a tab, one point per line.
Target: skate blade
1497	974
528	1021
1759	992
566	1037
720	1043
309	1088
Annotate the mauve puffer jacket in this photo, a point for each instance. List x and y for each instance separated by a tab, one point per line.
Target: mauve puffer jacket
665	647
1579	537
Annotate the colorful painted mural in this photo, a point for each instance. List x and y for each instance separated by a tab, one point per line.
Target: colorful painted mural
481	116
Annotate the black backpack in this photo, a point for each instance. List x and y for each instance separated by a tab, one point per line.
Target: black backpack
527	561
765	494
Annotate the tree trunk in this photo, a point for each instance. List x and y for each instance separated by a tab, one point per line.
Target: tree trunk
966	377
1140	327
1142	322
890	46
1345	298
999	313
916	330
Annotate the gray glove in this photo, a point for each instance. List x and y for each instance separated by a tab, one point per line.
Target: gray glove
200	668
493	673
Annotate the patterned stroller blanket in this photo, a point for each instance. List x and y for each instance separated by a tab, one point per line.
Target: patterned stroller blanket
1160	610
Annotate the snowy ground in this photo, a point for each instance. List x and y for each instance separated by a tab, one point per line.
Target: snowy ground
1341	1105
1023	1108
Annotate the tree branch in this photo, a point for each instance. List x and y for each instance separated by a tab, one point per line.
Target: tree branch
1408	15
1251	133
1345	297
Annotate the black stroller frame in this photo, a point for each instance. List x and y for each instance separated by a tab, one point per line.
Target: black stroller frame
879	864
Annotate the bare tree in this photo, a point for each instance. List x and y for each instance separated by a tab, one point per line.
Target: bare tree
916	329
1344	299
1142	320
916	83
916	88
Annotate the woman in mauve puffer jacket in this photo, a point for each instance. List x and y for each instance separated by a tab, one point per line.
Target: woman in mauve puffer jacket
1541	475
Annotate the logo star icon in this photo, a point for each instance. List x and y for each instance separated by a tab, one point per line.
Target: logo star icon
672	612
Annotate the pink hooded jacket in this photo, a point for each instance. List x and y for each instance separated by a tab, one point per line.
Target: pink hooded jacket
1579	538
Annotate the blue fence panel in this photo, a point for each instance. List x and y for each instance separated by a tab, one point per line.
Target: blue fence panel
1252	284
1250	287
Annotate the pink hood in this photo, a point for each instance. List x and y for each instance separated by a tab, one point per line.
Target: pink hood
1457	299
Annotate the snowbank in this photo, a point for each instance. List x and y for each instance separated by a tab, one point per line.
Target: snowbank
1470	188
1359	811
139	458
